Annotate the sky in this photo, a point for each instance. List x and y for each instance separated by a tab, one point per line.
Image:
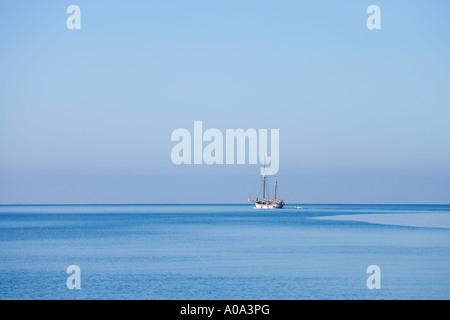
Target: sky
86	116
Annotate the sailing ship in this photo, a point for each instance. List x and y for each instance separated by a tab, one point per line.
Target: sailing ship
264	203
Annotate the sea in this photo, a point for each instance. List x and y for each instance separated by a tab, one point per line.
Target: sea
225	252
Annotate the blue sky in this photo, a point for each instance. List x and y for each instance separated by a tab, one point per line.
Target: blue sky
86	115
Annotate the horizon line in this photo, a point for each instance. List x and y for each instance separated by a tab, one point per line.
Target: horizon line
212	203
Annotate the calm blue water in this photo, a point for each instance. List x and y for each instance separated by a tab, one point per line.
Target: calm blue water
218	252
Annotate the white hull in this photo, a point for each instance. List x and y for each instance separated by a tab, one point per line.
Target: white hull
269	206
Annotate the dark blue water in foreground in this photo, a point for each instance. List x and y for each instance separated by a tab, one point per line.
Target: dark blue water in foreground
219	252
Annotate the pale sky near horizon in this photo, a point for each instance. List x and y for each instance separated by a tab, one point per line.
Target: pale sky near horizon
86	115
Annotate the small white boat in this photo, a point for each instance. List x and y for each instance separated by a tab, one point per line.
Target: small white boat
298	207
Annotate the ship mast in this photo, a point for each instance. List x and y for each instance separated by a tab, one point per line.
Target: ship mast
264	180
275	187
